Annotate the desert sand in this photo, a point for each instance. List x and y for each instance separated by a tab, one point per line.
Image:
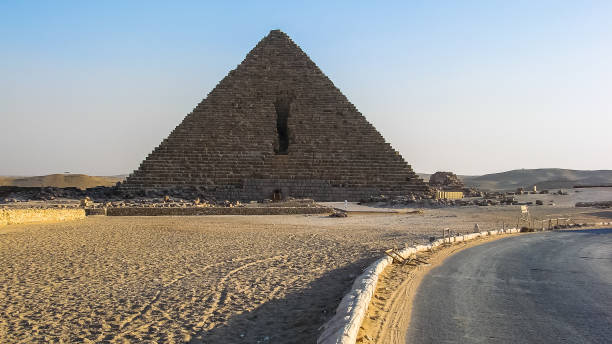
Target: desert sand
211	279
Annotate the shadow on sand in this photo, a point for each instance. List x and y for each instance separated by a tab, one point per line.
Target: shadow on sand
295	318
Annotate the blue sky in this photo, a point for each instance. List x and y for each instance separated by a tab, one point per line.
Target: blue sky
467	86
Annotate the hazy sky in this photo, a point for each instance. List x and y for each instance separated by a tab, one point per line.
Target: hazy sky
467	86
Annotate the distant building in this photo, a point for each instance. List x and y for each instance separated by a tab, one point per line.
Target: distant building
449	195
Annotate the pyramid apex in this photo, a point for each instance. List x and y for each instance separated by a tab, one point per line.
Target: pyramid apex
272	39
277	33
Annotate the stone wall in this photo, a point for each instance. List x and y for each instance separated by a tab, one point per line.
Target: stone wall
192	211
19	216
95	211
233	143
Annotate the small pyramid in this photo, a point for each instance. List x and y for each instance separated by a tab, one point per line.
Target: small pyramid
276	126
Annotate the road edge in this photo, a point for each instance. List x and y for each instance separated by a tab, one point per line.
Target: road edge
388	322
343	327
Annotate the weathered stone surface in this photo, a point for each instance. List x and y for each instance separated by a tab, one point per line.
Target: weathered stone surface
276	126
30	215
338	214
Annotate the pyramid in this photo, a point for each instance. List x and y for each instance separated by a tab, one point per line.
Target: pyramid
274	127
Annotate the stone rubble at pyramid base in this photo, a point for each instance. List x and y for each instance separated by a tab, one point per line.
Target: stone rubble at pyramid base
253	190
260	189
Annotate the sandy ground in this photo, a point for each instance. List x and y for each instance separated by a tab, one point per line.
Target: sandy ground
216	279
389	312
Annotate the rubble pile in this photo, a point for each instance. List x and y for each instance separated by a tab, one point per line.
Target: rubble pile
602	205
446	181
472	192
98	194
425	200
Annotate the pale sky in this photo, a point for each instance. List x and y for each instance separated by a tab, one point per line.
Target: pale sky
468	86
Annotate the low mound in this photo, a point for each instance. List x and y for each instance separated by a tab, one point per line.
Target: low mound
543	178
81	181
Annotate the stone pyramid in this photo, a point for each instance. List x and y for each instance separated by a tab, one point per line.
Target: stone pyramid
274	127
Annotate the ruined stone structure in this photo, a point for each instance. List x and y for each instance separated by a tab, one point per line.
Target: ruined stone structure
276	126
446	181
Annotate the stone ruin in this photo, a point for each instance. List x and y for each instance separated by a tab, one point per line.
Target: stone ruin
274	127
446	181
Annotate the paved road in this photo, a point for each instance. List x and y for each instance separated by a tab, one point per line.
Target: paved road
553	287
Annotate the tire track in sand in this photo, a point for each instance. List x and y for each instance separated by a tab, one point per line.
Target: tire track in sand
219	297
125	325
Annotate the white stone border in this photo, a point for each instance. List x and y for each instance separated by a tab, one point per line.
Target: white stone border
343	327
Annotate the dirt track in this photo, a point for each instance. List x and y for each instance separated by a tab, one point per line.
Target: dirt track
205	279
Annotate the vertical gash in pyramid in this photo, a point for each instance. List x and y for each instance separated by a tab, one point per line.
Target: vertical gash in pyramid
276	126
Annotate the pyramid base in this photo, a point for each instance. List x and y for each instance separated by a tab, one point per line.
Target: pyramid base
276	189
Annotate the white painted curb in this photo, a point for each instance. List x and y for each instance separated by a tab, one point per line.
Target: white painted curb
343	327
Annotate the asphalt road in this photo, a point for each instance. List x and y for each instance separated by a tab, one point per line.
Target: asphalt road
552	287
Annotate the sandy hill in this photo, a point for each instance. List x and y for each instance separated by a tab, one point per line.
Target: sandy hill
81	181
543	178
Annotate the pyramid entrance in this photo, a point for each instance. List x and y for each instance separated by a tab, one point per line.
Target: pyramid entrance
277	195
276	126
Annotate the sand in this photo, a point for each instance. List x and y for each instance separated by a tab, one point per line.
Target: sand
213	279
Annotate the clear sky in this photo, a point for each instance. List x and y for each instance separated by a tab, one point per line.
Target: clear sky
468	86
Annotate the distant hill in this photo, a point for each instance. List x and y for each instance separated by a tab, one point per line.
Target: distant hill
81	181
543	178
